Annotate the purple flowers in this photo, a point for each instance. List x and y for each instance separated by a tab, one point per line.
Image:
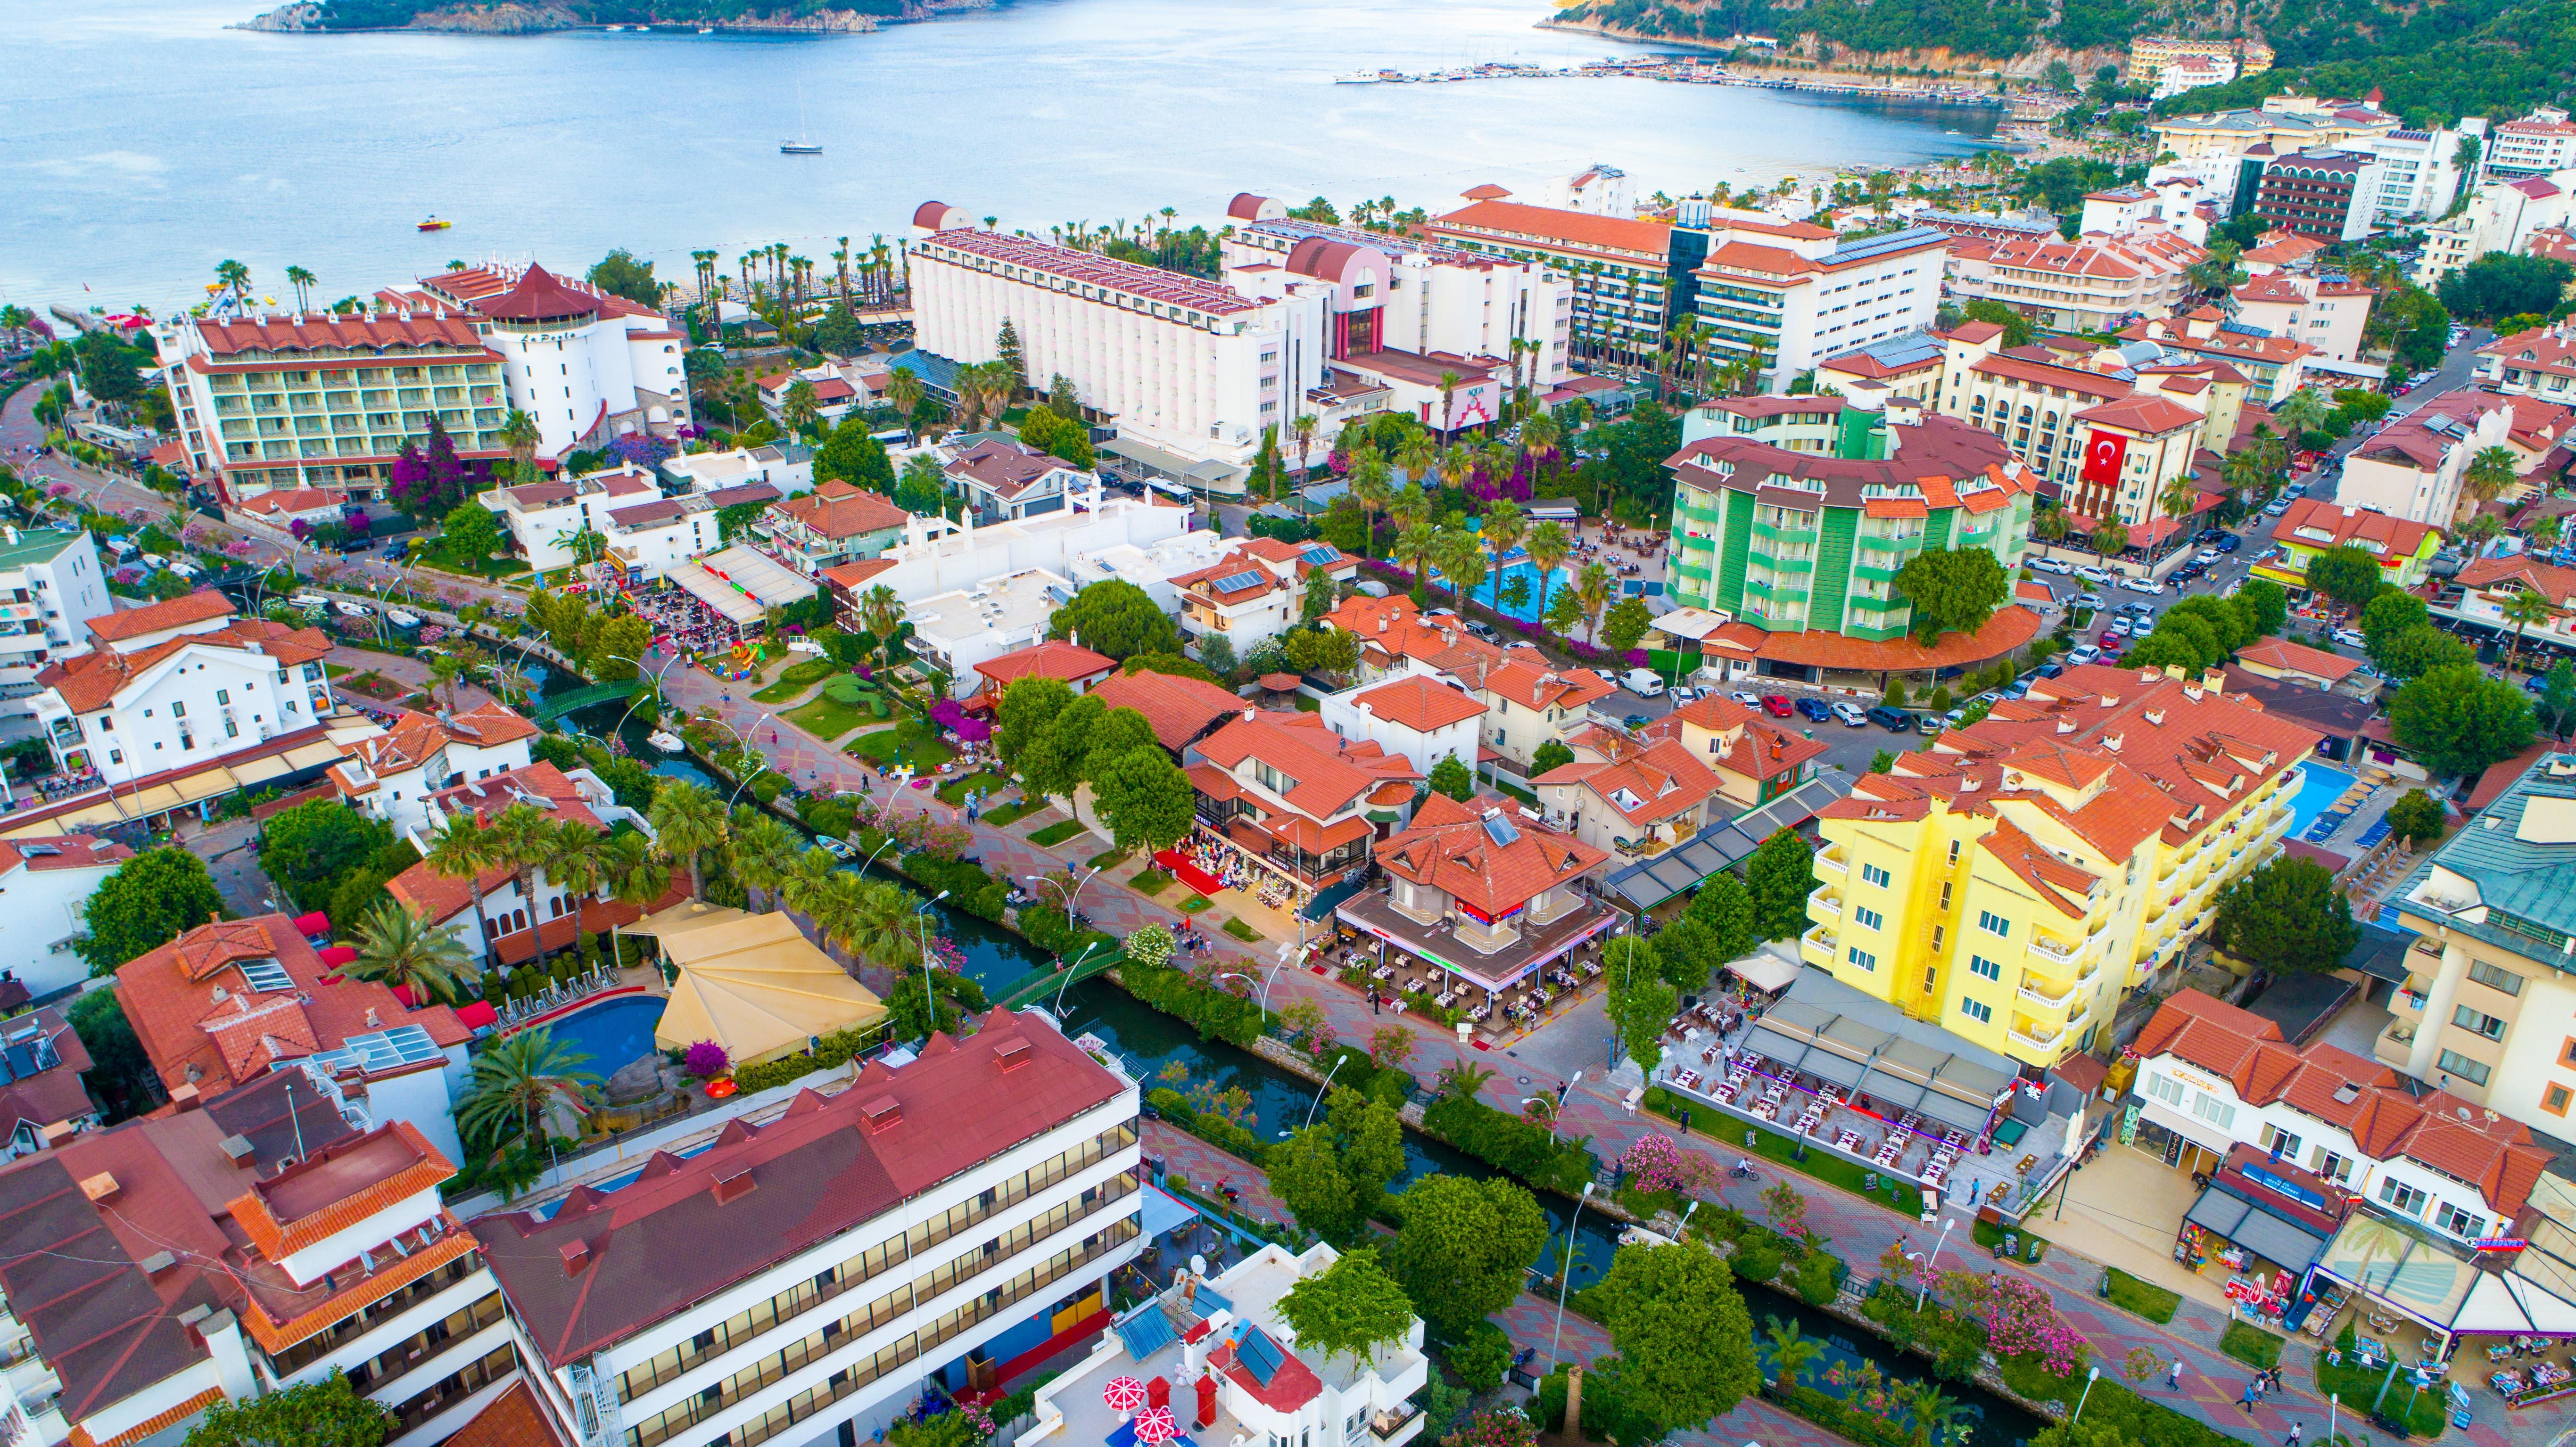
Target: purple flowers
706	1060
1653	1163
641	448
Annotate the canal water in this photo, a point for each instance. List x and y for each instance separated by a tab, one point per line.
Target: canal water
1282	1102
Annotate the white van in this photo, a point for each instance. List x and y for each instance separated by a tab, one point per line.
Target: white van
1643	682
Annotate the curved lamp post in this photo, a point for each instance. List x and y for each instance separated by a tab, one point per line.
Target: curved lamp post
1923	1288
921	915
1565	1274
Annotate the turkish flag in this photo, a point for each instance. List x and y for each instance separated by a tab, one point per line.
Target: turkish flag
2102	458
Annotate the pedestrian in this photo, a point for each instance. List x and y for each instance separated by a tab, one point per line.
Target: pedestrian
2297	1430
2173	1376
2251	1387
1373	1002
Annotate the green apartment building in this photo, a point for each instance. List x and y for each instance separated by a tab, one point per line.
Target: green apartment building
1794	515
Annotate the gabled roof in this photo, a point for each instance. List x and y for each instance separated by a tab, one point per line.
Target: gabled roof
1424	705
1641	784
540	296
1180	709
2291	657
90	681
2390	537
837	510
1329	772
1509	221
177	612
1052	658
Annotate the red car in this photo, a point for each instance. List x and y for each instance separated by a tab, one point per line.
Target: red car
1775	705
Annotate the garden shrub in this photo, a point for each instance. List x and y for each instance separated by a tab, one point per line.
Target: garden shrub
1217	1014
1815	1277
1513	1144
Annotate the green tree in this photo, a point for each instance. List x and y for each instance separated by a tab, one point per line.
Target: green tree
1145	799
2420	650
2017	328
471	532
1792	1351
1048	432
688	820
2266	605
2505	284
621	273
1563	612
1726	907
326	1412
1451	777
852	456
2286	915
1780	876
2386	616
147	902
1642	1011
1052	766
1625	625
1551	754
1348	1309
1465	1247
2416	817
1952	592
2111	539
1684	1338
1006	350
1370	1137
1688	951
2347	574
399	948
309	849
1306	1175
2456	720
1029	705
922	490
1116	618
2556	710
120	1072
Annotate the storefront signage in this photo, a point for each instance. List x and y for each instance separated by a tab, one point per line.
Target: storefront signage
2499	1243
2286	1187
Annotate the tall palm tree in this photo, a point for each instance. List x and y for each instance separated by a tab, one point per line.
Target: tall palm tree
1592	590
2491	470
302	280
520	838
903	389
1302	428
1369	490
1414	459
808	883
518	1080
399	948
881	611
577	858
2301	412
2177	500
1449	382
764	851
875	922
687	821
2522	608
637	875
519	433
1540	433
235	278
1410	508
1503	528
1549	547
459	850
1457	464
800	406
1420	544
1462	561
1932	1408
1792	1351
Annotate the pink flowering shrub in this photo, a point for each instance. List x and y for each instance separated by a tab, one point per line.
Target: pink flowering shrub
2021	1318
1653	1164
706	1060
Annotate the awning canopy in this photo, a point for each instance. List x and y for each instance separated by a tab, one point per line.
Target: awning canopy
2276	1239
1162	462
751	983
741	583
1165	1212
1764	970
316	923
1828	1029
1723	846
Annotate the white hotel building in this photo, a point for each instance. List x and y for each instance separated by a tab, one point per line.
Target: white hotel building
802	1278
180	684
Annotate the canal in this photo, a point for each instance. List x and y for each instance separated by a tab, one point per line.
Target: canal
1149	1041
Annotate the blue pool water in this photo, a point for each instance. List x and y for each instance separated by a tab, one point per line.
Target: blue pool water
1516	564
2322	787
613	1033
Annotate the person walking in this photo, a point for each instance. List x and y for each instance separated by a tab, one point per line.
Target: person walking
2297	1430
2173	1376
2252	1386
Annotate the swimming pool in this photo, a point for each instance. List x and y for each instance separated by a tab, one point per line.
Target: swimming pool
1515	564
2321	787
614	1033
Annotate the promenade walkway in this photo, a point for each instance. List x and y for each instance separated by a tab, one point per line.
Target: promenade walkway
1859	1229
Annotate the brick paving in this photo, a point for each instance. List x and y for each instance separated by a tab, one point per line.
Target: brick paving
1859	1229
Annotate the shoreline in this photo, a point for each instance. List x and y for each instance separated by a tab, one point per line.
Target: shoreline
931	10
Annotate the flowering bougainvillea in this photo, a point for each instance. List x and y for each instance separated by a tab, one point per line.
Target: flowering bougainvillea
1653	1163
706	1060
2020	1317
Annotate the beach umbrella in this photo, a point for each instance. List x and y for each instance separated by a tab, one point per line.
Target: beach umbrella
1156	1424
1123	1394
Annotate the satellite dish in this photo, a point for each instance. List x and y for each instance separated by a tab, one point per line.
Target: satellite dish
1198	1264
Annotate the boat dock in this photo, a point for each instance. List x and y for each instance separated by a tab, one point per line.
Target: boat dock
1681	71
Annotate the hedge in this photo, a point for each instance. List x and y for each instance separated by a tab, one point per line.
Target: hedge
1513	1144
1216	1014
968	886
1214	1129
1834	1415
835	1049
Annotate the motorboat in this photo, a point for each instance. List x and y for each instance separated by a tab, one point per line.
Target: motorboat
347	609
665	740
836	847
402	617
434	224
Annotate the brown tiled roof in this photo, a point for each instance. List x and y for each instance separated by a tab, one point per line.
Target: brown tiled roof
1421	704
1330	772
1006	466
2558	585
337	1187
512	1419
361	331
1663	776
605	1266
1179	709
176	612
540	296
1507	221
838	510
2143	412
1449	847
91	680
2291	657
1050	659
62	851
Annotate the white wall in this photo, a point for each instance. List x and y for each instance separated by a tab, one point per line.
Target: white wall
1344	715
231	700
40	912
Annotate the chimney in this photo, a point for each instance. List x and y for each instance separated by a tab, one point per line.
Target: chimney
1012	1056
730	1189
186	1096
156	1263
2213	682
237	1148
882	1113
100	1188
576	1255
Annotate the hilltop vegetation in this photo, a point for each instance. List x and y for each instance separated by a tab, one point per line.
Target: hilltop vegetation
2435	61
517	16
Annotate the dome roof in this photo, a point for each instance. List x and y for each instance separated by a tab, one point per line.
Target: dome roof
540	296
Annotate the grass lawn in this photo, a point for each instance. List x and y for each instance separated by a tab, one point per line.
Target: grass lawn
1150	882
1306	704
793	682
334	670
2141	1298
1770	1145
1990	1237
2251	1344
915	739
1242	931
1012	812
433	555
1108	857
825	719
2359	1385
1056	833
983	781
1195	903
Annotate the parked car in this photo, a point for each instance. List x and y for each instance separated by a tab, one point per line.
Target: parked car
2018	688
1895	721
1684	694
2350	638
2048	670
1745	697
2091	574
2205	555
2276	507
2083	653
2142	585
2088	600
2211	535
2052	565
1815	710
1852	714
2230	543
1642	682
2119	629
1777	705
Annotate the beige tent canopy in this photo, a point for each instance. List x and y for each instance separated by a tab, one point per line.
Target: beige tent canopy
751	983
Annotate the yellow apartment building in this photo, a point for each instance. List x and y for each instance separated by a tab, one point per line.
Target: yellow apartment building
2015	881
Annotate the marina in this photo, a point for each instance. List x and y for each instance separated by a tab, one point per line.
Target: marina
1681	70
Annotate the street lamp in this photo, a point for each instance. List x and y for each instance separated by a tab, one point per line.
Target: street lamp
1067	902
921	915
2091	1376
1069	972
1924	1288
638	696
1565	1274
1681	1232
1319	1091
2334	1407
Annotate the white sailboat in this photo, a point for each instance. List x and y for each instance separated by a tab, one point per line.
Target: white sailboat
803	145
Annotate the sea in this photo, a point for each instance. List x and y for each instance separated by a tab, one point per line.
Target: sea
143	141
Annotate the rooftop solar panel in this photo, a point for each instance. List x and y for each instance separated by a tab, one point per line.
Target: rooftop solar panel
268	977
1232	581
1259	1354
1145	1330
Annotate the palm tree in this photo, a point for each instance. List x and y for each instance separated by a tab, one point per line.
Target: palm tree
903	389
2177	500
302	280
800	406
881	612
1462	561
1421	544
2302	412
1302	428
519	433
459	850
517	1081
1792	1351
807	885
636	874
2490	471
1457	464
764	852
1410	508
872	919
399	948
687	821
1503	528
2522	608
235	278
1548	548
519	839
1592	590
1932	1410
577	859
1449	401
1369	490
1540	433
2480	530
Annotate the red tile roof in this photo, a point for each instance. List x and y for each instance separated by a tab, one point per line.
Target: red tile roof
2298	658
337	1187
1179	709
512	1419
1050	659
362	331
1421	704
177	612
42	852
540	295
1663	778
607	1265
2394	539
2558	585
1328	771
837	510
1511	221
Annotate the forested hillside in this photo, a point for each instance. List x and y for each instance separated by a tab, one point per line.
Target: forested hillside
2434	60
518	15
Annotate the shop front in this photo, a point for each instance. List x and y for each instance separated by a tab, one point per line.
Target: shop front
2261	1223
2195	1147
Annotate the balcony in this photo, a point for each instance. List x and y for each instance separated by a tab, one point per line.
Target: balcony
1785	532
1388	1425
2033	1036
1816	946
2051	950
1696	513
1826	902
1785	562
2036	993
1830	858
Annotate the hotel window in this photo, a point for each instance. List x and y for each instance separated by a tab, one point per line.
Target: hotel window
2281	1142
1986	968
2210	1108
2460	1221
1872	874
2398	1195
1994	924
2477	1023
1982	1014
2495	977
2554	1100
1863	958
2465	1068
2165	1088
1869	918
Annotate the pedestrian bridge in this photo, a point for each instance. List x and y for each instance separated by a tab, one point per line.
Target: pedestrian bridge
547	710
